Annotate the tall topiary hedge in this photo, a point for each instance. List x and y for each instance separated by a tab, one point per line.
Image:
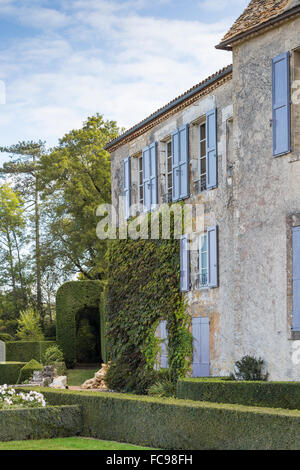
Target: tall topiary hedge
26	350
74	300
143	289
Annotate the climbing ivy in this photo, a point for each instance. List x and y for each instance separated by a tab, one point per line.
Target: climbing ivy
143	289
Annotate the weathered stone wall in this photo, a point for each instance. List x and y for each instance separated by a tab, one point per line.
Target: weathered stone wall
215	303
255	206
266	190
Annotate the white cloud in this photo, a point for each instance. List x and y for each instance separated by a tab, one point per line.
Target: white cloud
124	66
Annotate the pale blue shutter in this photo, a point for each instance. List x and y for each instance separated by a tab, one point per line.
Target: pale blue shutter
127	187
175	165
212	247
180	163
281	104
146	178
164	345
153	174
296	278
200	332
184	191
211	149
184	264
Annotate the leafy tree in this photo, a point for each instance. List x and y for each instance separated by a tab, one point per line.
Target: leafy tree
75	180
12	224
29	326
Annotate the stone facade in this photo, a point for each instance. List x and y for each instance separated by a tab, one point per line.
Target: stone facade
255	205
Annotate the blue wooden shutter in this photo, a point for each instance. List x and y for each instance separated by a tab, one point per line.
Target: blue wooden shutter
281	104
180	163
146	178
164	345
211	149
175	165
200	332
184	191
127	187
153	174
296	278
184	264
212	247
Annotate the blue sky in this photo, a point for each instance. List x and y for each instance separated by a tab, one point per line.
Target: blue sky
63	60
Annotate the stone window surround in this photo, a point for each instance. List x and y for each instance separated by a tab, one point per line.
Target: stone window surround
292	220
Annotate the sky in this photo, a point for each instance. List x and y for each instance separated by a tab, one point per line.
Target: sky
64	60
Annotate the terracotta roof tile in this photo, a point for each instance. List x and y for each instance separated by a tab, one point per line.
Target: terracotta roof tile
257	13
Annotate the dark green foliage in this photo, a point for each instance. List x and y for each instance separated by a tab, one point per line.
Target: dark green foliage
5	337
103	318
27	371
267	394
76	302
40	423
163	388
177	424
120	376
250	368
53	355
26	350
9	372
143	288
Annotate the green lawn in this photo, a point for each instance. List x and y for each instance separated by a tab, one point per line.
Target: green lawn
76	377
68	443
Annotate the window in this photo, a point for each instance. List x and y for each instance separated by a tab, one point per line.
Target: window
169	178
140	183
202	158
202	279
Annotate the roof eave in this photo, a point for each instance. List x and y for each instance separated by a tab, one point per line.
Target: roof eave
227	45
168	107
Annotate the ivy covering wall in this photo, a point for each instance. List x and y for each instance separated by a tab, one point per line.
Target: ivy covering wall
76	303
143	289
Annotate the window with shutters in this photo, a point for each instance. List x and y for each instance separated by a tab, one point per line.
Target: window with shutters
169	178
202	158
140	184
202	266
295	105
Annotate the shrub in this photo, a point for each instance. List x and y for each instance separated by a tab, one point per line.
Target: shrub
249	368
267	394
5	337
163	388
52	355
40	423
26	350
27	371
29	328
178	424
120	377
74	300
9	372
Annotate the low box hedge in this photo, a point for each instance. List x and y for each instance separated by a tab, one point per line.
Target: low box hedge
40	423
26	350
284	395
27	371
9	372
178	424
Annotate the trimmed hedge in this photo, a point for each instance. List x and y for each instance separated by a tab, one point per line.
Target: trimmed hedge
267	394
9	372
27	371
178	424
103	320
40	423
26	350
73	298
